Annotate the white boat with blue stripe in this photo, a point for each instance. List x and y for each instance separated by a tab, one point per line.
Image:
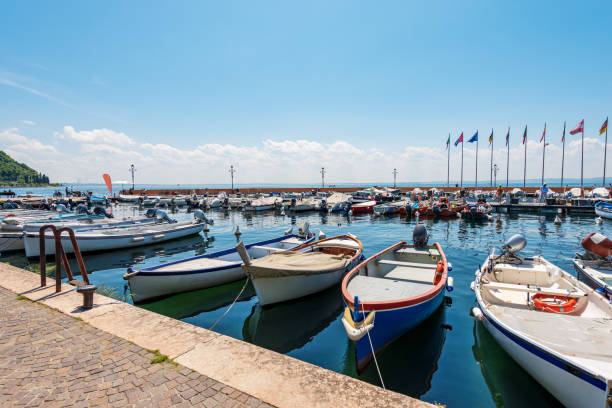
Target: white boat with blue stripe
554	326
203	271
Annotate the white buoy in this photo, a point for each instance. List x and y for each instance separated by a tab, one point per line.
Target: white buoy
458	215
559	211
350	212
557	220
473	286
489	217
598	220
237	233
417	214
321	235
289	231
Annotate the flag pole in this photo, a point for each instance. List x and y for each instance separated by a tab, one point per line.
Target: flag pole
525	163
448	162
476	182
508	158
582	163
543	152
563	155
461	162
605	153
491	158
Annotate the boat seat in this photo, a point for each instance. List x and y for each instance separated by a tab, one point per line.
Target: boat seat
408	264
533	289
411	274
371	289
421	251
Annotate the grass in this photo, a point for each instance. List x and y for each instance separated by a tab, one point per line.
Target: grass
21	297
160	358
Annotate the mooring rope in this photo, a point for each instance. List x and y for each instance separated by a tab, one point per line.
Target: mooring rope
230	306
373	353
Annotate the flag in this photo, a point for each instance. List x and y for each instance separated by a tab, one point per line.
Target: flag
508	137
447	142
474	138
563	137
543	133
525	135
460	140
604	127
491	137
578	129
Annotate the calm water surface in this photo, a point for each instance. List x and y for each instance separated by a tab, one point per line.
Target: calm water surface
449	359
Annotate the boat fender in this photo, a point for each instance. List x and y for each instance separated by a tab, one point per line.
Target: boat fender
477	313
450	267
598	244
473	286
439	273
450	284
356	330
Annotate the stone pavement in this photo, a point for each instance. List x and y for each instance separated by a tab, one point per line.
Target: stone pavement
49	359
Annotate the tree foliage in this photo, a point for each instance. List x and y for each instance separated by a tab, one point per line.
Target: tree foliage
13	172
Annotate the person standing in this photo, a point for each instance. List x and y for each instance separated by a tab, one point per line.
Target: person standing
543	193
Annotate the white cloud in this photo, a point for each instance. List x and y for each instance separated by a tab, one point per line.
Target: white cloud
95	135
29	122
17	141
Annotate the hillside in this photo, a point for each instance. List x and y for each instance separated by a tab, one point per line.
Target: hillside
15	173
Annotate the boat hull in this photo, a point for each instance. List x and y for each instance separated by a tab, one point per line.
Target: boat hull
92	244
391	324
550	371
282	289
11	241
603	213
143	286
586	277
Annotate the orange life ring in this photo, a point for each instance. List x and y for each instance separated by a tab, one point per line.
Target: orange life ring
439	272
553	303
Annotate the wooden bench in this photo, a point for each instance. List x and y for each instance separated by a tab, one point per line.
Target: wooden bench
408	264
533	289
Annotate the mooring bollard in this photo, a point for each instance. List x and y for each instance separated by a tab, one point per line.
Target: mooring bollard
88	292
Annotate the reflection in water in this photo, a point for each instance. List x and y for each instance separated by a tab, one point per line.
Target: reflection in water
409	363
509	384
193	303
290	325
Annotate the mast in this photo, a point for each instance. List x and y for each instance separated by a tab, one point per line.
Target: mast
543	152
525	163
563	154
322	177
508	157
491	157
476	161
582	163
461	162
448	162
605	153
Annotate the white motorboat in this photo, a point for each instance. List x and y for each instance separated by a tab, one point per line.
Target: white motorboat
202	271
129	198
307	269
603	209
150	201
262	204
339	202
102	239
553	325
305	204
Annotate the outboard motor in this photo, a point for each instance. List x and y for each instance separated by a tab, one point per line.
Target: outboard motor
304	230
101	211
597	245
420	236
150	213
199	215
81	210
162	216
61	208
514	244
436	211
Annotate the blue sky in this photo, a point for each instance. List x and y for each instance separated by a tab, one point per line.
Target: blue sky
183	89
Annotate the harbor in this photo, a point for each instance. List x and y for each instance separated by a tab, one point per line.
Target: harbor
310	328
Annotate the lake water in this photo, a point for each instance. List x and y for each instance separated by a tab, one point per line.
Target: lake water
450	359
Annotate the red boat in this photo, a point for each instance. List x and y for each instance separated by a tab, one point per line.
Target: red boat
362	208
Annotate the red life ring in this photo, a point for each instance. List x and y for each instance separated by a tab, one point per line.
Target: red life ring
553	303
439	272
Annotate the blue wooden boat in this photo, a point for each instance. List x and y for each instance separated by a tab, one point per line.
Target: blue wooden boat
603	209
203	271
392	292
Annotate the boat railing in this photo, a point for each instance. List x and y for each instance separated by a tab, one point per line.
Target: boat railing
61	258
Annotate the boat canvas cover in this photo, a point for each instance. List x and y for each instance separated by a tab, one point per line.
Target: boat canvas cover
290	263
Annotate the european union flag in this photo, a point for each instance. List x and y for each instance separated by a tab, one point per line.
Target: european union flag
474	138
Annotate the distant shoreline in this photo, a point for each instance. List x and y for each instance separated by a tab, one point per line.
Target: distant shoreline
5	186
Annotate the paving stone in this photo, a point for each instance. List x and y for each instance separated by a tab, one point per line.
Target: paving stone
39	370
